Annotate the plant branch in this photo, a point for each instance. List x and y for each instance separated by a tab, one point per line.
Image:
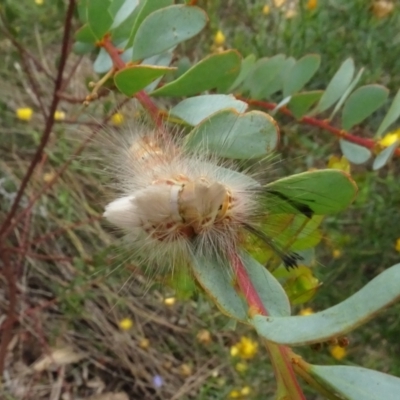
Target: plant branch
280	355
322	124
50	117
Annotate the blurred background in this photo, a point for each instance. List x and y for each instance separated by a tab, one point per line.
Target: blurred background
82	304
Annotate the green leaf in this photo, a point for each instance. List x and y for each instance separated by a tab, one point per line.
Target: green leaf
120	10
300	74
337	320
194	109
216	71
232	135
246	67
346	93
355	153
320	192
85	35
356	383
300	103
385	156
337	86
82	48
391	116
274	299
362	103
215	277
145	8
98	17
103	62
166	28
161	60
132	79
262	75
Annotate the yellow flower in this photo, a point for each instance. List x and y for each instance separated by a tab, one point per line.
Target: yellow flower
306	311
169	301
204	336
219	38
245	391
397	245
117	119
126	324
336	253
266	9
59	115
48	177
312	4
241	367
234	394
186	370
390	138
24	114
382	8
291	13
279	3
342	163
246	348
338	352
144	343
39	2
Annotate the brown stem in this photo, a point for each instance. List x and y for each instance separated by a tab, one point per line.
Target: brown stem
286	378
322	124
50	117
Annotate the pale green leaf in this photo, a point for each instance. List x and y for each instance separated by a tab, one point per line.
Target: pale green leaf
337	86
300	74
362	103
229	134
166	28
194	109
300	103
246	67
98	17
354	152
385	156
337	320
391	116
121	10
356	383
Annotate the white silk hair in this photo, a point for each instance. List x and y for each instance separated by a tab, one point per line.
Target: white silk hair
173	203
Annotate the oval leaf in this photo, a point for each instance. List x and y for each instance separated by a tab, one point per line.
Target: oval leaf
98	17
165	28
337	86
217	71
354	153
132	79
195	109
300	103
355	383
392	115
385	156
317	192
246	67
232	135
335	321
362	103
300	74
121	10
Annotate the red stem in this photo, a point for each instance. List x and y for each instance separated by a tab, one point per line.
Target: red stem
50	118
250	293
340	133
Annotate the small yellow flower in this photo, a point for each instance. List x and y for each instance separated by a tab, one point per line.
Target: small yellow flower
312	4
279	3
39	2
48	177
246	348
291	13
382	8
126	324
219	38
234	394
24	114
241	367
306	311
266	9
186	370
144	343
336	253
342	163
390	138
59	115
245	391
204	336
338	352
169	301
397	245
117	119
